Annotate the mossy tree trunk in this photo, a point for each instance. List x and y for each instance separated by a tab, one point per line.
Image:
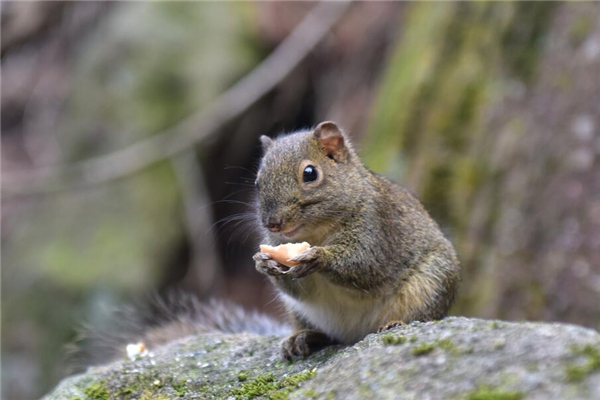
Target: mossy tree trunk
489	111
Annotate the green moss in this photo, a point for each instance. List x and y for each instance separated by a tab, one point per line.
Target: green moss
148	395
242	377
577	373
447	345
394	340
269	386
486	393
280	395
152	386
296	379
97	391
126	393
133	389
149	385
423	349
180	388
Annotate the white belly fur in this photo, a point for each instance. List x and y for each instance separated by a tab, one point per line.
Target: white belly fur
344	314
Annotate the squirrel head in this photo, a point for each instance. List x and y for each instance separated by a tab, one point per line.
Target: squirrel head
305	182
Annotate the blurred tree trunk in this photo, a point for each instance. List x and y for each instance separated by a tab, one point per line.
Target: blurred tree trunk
490	112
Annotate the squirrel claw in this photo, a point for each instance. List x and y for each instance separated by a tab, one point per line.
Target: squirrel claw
390	325
310	262
265	265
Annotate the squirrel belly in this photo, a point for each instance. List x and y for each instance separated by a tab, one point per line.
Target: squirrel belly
341	313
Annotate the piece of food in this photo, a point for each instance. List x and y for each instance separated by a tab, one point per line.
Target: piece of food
284	252
135	350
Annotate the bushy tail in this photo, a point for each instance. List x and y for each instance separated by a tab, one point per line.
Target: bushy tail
163	319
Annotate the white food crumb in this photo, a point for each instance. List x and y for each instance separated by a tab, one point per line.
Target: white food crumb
136	349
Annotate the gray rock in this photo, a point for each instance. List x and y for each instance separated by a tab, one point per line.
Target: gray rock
458	358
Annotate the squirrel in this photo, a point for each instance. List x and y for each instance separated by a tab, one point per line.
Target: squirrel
377	259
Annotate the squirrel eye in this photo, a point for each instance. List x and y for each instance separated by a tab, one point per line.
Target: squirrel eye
310	174
256	183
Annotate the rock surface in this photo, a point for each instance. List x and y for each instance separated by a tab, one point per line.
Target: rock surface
458	358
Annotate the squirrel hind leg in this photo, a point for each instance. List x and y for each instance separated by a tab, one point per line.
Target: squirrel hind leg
303	343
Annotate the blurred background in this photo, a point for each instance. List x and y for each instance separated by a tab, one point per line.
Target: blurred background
130	141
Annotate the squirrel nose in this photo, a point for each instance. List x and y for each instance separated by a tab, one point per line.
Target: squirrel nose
274	224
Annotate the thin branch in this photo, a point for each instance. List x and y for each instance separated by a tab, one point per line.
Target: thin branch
129	160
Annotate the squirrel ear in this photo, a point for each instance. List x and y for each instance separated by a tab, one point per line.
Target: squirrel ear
331	139
266	142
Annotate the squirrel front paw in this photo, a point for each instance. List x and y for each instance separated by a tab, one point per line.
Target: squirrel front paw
265	265
311	261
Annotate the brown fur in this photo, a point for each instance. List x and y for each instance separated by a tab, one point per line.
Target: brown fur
377	255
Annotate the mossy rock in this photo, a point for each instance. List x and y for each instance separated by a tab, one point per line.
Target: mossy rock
458	358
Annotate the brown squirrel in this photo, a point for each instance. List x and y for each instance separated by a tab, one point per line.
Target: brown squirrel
377	258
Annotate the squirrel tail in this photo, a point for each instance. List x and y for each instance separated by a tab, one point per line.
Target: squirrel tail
161	320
